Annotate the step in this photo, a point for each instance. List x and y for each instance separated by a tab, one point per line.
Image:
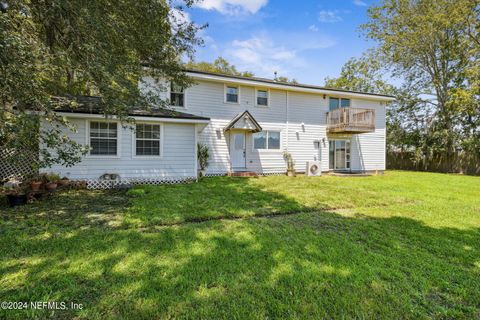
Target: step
242	174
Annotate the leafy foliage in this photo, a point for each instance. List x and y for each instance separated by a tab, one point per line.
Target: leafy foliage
433	46
203	155
364	74
219	65
286	80
64	48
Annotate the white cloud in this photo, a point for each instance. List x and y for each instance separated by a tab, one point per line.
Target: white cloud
178	19
359	3
313	28
260	55
329	16
264	54
233	7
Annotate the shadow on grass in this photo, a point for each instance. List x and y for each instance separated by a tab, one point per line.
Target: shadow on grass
213	198
314	264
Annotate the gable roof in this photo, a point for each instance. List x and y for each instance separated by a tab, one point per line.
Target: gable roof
286	86
244	115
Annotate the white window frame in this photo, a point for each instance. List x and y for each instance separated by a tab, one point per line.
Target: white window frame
225	85
170	96
119	139
268	97
269	150
134	141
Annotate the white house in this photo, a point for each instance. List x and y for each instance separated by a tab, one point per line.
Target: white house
247	123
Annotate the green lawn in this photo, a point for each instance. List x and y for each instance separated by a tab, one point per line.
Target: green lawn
402	245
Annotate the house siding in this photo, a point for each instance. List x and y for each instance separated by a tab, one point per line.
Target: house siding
299	116
368	149
177	160
287	111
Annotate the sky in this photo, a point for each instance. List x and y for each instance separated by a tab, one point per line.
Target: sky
305	40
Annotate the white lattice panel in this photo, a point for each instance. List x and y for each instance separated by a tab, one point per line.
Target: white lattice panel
273	173
18	168
215	174
126	183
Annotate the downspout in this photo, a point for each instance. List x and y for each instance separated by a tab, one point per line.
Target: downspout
287	107
195	160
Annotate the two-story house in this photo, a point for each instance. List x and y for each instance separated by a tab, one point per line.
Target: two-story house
247	123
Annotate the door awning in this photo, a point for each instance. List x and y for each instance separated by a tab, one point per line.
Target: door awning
244	121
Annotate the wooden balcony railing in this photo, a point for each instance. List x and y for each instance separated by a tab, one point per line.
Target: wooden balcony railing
351	120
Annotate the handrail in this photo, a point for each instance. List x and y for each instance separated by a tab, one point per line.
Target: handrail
351	119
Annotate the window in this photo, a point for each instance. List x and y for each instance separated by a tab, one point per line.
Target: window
260	140
345	103
147	140
335	103
231	94
339	154
266	140
177	95
103	138
262	98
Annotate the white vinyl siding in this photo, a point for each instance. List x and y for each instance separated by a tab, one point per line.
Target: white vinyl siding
300	117
177	160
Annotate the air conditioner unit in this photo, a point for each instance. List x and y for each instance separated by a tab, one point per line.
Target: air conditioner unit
314	168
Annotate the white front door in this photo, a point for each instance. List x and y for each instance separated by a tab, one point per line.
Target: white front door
237	150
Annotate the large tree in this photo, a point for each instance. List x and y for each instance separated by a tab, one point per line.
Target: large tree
54	50
219	65
430	44
369	74
364	74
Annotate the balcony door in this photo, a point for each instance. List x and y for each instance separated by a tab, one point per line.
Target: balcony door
339	155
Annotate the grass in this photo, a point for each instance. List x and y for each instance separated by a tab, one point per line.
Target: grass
403	245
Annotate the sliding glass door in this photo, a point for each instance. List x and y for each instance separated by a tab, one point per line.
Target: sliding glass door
339	155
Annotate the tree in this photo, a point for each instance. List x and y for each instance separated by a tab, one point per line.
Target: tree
66	48
367	74
286	80
219	65
429	44
364	74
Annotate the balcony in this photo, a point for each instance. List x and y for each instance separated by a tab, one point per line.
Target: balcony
351	120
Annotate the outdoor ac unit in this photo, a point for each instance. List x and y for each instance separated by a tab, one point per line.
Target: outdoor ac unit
314	168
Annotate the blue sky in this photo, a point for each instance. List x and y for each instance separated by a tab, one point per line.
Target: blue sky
306	40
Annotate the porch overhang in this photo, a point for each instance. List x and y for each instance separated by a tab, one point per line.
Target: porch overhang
244	121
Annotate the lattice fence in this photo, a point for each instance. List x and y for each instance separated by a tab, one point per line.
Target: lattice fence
215	174
16	164
127	183
273	173
267	173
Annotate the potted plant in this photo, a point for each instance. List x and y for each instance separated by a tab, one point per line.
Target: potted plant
36	182
63	182
16	195
290	164
52	179
203	155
